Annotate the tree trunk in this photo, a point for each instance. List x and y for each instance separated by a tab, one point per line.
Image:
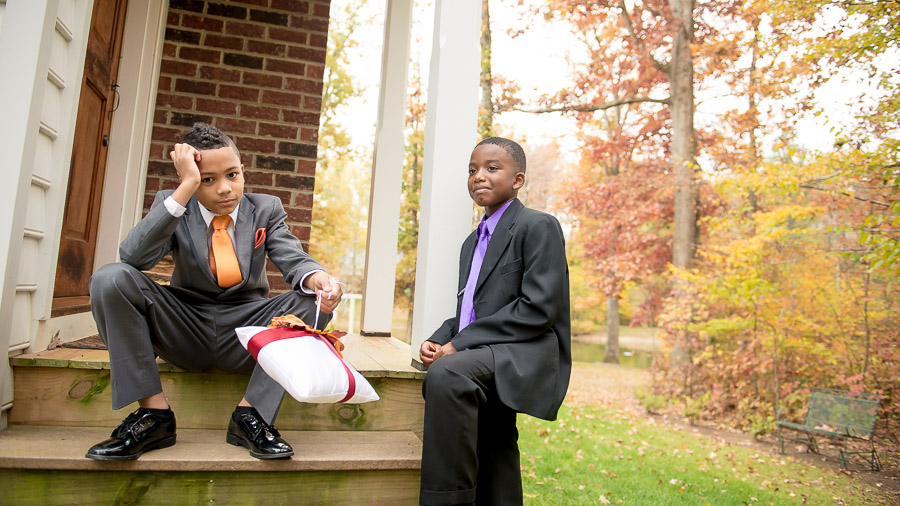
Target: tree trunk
612	330
681	80
752	90
680	71
486	109
409	323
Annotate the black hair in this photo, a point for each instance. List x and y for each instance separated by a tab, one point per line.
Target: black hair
512	148
205	136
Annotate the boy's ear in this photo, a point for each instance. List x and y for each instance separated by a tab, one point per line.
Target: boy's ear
519	181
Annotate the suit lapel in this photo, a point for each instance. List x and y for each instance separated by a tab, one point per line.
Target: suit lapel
499	240
244	230
199	239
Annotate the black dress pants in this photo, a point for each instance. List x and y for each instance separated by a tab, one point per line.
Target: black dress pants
470	452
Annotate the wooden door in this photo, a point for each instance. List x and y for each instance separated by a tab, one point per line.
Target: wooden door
88	167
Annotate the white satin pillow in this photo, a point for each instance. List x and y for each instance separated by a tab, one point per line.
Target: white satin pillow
308	369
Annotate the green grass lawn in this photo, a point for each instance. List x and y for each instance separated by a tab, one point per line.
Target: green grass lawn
599	455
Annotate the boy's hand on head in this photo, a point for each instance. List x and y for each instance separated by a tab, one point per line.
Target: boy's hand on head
446	349
185	157
427	350
328	290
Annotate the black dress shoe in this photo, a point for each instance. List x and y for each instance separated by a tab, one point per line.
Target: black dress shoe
139	433
248	429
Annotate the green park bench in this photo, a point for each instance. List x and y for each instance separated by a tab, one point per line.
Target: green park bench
848	417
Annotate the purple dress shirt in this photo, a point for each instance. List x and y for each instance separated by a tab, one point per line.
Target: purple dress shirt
484	232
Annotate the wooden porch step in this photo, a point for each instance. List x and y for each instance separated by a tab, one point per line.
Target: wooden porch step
373	357
63	448
46	465
71	387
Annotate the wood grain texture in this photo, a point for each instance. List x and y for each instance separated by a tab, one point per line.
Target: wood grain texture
63	448
374	357
71	387
27	487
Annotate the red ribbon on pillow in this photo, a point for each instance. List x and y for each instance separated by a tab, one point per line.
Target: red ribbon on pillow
267	336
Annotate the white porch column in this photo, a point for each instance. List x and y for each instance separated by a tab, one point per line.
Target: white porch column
387	173
445	218
24	58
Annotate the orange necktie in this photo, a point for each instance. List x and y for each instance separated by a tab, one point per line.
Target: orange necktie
222	259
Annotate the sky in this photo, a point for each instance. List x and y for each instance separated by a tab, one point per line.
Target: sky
536	60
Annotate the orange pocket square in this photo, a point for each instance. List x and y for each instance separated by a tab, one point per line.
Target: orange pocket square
260	238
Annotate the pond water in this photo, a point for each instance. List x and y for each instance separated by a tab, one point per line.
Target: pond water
583	351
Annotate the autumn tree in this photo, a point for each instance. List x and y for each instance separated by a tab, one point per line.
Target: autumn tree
341	196
794	287
545	180
620	198
647	59
486	105
408	238
656	37
859	182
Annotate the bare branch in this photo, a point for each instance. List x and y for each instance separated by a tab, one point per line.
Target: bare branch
810	186
662	67
591	107
821	179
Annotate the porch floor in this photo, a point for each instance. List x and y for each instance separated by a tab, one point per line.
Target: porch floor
344	454
373	357
63	448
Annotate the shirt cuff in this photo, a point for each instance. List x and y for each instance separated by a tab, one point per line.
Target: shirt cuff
302	287
174	208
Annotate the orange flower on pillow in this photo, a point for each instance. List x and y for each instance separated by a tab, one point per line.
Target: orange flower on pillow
293	322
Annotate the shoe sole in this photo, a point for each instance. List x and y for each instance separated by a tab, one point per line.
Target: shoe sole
238	441
163	443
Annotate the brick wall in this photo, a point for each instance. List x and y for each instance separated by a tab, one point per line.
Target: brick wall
254	69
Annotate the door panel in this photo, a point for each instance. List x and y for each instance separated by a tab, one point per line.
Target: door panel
89	151
77	225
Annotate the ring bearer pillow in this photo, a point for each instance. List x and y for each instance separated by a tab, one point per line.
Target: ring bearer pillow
307	363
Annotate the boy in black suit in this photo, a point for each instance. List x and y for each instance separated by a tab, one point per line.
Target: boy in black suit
219	238
506	351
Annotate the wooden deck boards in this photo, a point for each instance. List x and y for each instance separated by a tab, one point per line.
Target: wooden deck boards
373	357
345	454
63	448
71	387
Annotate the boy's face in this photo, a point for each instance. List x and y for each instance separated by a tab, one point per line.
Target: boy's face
494	177
221	180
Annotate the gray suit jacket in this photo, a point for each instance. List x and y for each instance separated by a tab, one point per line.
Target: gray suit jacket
522	310
186	237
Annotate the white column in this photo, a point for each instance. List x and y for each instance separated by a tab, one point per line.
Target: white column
387	173
24	59
445	218
122	205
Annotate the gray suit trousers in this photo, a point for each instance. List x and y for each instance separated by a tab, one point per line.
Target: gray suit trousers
139	319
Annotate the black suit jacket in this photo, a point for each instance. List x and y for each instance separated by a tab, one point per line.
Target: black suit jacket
186	237
522	310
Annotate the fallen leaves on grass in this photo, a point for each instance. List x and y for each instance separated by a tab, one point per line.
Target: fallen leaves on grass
604	441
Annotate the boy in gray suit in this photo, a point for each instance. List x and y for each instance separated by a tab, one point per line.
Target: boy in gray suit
219	238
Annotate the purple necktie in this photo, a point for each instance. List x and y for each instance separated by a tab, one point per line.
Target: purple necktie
467	310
